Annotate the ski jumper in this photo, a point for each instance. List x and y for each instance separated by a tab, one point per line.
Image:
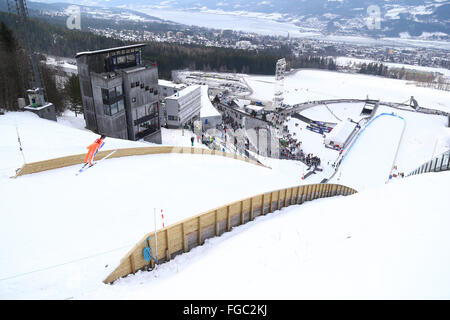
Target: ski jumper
92	150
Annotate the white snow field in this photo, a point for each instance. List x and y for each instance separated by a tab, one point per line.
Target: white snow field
348	61
62	235
335	112
390	242
311	85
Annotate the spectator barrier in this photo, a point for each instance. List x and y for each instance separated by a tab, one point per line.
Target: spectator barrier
155	248
437	164
67	161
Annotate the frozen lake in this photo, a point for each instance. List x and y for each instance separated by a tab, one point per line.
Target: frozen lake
216	20
266	24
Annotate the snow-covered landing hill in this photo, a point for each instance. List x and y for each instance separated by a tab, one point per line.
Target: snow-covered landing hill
61	235
391	242
62	221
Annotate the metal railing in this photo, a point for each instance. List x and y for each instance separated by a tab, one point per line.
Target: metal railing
437	164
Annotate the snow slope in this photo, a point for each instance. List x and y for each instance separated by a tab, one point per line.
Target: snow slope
110	206
390	242
43	139
424	136
58	228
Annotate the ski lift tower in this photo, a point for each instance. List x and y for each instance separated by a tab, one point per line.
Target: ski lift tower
278	97
37	105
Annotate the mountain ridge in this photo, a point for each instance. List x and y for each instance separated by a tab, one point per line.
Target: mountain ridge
416	18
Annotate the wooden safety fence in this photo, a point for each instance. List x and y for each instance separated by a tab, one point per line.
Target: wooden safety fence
183	236
67	161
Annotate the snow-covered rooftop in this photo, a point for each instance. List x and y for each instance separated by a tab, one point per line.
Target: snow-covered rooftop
170	84
254	108
341	132
183	92
110	49
207	109
242	102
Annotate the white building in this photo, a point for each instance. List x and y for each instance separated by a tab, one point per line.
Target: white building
64	66
252	108
184	106
209	115
168	88
340	135
241	103
244	44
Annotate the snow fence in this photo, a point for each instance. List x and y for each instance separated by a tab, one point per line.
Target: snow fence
437	164
35	167
181	237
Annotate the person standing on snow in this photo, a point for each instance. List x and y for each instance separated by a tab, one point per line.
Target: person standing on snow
93	148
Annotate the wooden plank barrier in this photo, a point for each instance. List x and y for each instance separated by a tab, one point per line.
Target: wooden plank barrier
191	232
39	166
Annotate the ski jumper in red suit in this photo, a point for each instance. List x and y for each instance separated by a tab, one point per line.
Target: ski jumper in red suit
92	149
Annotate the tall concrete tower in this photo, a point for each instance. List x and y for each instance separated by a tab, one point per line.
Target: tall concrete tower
278	97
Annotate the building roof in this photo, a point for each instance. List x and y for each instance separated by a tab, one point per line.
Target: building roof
254	108
29	107
140	45
241	102
207	109
170	84
183	92
341	131
134	69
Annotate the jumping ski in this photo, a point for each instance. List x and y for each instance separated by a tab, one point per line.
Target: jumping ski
82	169
86	166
